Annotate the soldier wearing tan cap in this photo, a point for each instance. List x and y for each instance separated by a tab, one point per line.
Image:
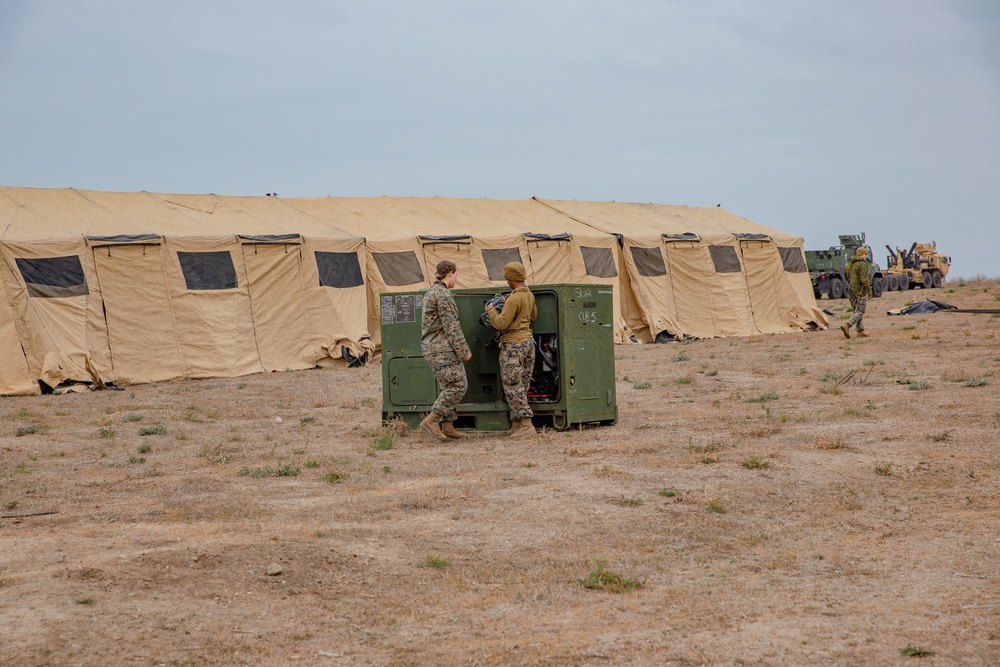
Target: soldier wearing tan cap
517	347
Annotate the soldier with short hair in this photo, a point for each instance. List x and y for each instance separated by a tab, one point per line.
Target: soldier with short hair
517	348
861	289
443	346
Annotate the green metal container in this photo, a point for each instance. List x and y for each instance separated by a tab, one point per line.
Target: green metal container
574	376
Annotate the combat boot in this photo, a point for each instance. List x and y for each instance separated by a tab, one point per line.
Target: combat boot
431	425
449	430
862	334
846	328
523	429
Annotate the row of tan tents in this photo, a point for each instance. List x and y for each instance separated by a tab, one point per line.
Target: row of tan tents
104	288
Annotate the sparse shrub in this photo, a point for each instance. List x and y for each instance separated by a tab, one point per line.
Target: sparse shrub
26	430
308	419
435	562
631	502
668	493
939	437
144	448
754	461
136	460
711	373
289	470
683	380
717	506
919	386
213	455
132	418
85	601
385	441
312	464
681	356
883	469
106	433
763	398
257	473
976	382
158	429
642	385
915	651
605	580
397	426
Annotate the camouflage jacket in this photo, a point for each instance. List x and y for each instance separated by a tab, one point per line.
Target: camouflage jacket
514	321
857	276
440	330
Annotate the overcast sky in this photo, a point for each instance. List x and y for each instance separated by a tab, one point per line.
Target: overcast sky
814	117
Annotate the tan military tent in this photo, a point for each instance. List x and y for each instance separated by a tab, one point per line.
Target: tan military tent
103	287
136	287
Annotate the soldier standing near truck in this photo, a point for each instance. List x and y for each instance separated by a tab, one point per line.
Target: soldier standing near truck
443	346
861	289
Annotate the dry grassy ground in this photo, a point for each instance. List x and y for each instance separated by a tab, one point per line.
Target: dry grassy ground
775	500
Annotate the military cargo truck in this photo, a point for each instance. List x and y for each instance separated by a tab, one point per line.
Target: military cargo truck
826	267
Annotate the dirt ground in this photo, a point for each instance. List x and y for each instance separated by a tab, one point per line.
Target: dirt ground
775	500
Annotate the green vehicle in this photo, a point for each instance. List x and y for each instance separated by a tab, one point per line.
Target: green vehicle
826	267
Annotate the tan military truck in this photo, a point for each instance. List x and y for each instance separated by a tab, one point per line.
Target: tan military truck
920	266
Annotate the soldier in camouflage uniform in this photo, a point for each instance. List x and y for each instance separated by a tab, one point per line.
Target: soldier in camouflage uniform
443	346
517	348
861	289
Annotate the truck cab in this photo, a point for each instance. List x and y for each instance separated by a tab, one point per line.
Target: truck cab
826	268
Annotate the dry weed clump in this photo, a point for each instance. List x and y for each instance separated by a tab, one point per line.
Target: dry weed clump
831	442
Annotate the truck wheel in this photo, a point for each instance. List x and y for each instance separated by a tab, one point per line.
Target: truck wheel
877	288
904	282
936	277
928	281
836	289
893	283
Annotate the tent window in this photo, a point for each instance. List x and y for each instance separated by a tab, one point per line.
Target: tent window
600	262
208	270
339	269
53	277
725	258
399	268
648	261
495	260
792	260
685	236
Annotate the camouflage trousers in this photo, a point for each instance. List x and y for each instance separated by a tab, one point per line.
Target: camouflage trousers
858	316
517	360
450	374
